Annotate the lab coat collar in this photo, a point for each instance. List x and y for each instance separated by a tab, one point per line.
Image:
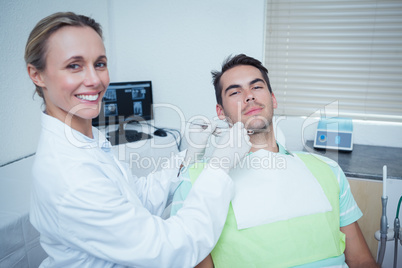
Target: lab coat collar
73	136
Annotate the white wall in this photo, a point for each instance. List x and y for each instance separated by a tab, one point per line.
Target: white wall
177	43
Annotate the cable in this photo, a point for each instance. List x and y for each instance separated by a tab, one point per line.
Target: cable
399	206
169	131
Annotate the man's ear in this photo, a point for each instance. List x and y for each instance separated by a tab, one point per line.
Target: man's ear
35	75
274	102
220	112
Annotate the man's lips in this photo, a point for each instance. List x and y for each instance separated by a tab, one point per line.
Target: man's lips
253	111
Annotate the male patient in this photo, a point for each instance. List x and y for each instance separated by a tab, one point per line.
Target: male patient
289	209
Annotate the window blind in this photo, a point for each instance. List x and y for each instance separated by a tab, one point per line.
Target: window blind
319	52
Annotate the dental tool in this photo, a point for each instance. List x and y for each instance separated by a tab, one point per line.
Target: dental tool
219	129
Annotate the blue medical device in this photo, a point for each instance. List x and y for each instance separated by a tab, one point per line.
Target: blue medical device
334	133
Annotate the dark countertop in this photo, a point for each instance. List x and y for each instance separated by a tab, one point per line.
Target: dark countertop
365	161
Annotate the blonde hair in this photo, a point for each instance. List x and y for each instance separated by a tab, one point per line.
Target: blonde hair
36	47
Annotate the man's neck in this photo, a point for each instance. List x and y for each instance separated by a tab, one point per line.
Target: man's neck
264	140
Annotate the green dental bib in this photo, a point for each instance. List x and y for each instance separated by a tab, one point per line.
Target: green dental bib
286	243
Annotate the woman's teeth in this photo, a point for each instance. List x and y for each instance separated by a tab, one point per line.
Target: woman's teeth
88	97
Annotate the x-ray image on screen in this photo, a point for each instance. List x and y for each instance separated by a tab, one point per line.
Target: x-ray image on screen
111	109
110	95
137	108
138	93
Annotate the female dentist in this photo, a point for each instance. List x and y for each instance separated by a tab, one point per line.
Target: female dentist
90	211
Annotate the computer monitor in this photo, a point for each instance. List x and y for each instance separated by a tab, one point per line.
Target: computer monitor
125	102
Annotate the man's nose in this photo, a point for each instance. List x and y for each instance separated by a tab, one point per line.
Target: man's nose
249	96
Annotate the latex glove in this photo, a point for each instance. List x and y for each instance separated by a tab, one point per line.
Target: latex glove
197	136
233	147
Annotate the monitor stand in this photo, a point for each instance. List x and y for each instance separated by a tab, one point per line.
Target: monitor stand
122	136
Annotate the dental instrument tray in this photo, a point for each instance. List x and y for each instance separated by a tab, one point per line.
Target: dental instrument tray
334	133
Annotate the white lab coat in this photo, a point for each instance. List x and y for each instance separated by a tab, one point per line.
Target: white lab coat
91	212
